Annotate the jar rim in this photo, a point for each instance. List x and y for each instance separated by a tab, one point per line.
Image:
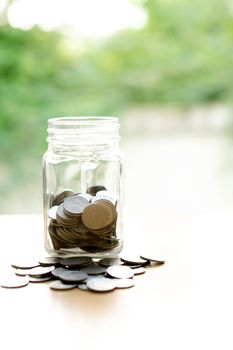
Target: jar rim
80	130
77	120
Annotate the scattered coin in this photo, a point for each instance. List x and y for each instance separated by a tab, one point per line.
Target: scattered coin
133	259
139	270
120	272
134	266
59	285
153	259
13	281
102	284
41	271
76	261
73	276
58	271
83	286
87	276
111	261
124	283
39	279
94	270
22	272
90	277
49	261
25	264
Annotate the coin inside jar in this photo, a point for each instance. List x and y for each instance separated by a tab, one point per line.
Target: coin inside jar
98	215
53	212
75	204
94	189
74	225
58	199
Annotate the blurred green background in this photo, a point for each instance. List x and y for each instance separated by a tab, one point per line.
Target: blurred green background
182	57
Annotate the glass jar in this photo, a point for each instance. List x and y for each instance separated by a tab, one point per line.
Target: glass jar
83	187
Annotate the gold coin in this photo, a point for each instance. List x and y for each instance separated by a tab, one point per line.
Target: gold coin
97	216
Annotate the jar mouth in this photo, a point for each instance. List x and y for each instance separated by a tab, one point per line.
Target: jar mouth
83	130
81	120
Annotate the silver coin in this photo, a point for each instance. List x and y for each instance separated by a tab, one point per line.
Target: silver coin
133	259
75	261
107	195
39	279
103	196
83	286
94	270
22	272
52	212
59	285
41	271
73	276
75	204
58	271
124	283
25	264
49	261
87	196
13	281
150	257
103	192
133	266
102	284
90	277
111	261
139	270
62	217
120	272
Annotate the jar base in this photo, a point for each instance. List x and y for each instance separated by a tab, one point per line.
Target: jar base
77	252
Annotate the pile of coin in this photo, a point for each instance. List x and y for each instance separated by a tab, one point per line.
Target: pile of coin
84	220
85	273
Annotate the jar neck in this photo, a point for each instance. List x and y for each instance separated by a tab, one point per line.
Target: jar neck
69	133
82	149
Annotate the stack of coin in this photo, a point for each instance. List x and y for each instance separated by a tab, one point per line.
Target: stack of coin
83	221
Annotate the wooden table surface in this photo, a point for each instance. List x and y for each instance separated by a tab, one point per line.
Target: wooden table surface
184	304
